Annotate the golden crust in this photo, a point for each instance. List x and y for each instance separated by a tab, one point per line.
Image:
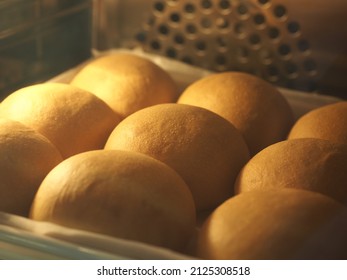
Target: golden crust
251	104
25	159
205	149
118	193
127	82
275	224
73	119
328	122
308	163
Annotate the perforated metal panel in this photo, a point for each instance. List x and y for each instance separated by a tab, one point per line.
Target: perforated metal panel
268	38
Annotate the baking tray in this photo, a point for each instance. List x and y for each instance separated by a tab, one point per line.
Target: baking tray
22	238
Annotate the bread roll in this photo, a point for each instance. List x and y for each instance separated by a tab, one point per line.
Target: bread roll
252	105
328	122
277	224
127	82
121	194
308	163
26	157
73	119
205	149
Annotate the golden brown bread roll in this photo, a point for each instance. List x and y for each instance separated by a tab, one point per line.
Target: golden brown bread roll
276	224
328	122
127	82
25	159
118	193
205	149
308	163
73	119
253	105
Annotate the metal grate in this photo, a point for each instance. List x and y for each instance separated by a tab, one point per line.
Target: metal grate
256	36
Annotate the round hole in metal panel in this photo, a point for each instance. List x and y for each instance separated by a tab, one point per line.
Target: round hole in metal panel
242	53
221	60
163	29
206	4
159	7
273	73
224	6
155	45
175	17
284	50
293	27
141	37
259	20
303	45
280	11
179	39
254	40
242	10
189	8
222	44
274	33
191	28
171	52
201	46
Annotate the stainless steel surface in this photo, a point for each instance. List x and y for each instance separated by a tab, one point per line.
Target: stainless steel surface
117	21
41	38
298	44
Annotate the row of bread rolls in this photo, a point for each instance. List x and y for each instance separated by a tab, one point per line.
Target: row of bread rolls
120	151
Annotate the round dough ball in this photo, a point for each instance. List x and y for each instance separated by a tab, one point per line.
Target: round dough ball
205	149
328	122
308	163
277	224
26	157
252	105
73	119
121	194
127	82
